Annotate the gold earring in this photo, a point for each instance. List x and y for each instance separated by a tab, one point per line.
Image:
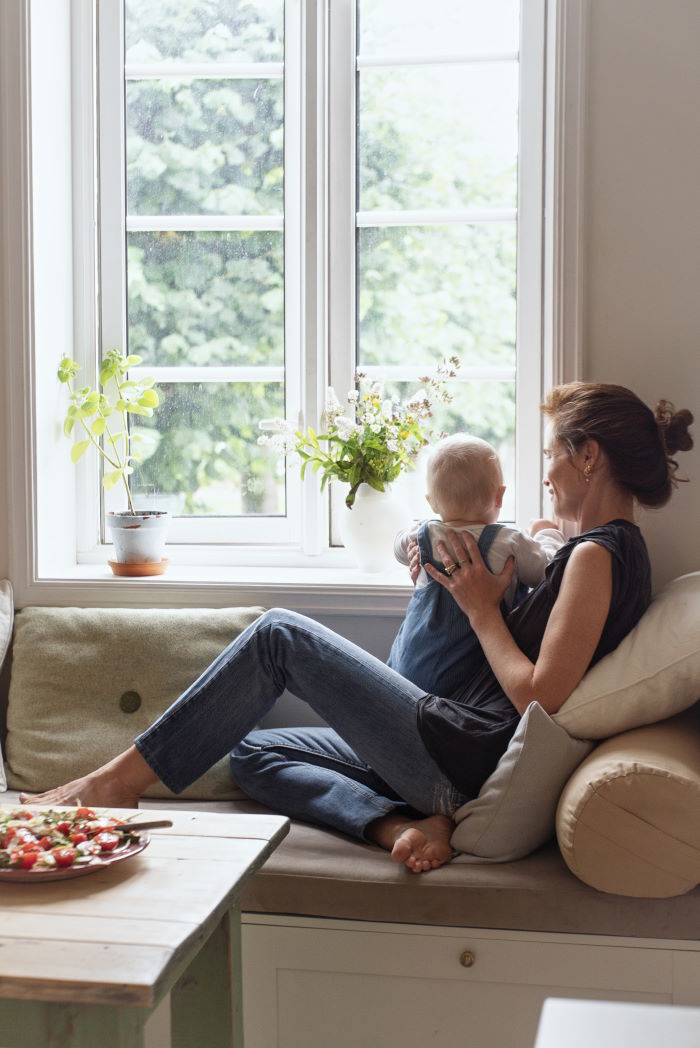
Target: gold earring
587	470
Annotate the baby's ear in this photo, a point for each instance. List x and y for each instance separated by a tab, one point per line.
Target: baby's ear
430	503
499	496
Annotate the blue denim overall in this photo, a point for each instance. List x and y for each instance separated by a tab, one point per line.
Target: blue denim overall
436	647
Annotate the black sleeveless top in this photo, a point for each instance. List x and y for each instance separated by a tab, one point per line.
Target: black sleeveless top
468	732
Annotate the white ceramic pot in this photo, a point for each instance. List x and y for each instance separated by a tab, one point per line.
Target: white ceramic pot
369	528
139	538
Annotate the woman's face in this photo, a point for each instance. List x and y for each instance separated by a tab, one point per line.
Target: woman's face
562	478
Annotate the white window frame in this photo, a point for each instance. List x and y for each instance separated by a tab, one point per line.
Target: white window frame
41	481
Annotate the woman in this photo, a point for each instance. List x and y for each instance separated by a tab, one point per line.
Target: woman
396	763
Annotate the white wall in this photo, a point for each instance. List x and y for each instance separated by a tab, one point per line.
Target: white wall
642	247
642	230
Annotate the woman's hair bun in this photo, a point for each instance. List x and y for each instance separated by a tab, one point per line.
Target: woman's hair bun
673	426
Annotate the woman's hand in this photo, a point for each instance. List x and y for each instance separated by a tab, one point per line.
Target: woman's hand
413	552
477	590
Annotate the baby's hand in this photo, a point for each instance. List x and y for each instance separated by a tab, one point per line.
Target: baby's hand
541	524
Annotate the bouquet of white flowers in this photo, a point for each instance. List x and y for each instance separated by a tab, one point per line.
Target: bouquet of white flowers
371	445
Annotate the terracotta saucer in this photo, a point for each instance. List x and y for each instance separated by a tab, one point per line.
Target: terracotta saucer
139	570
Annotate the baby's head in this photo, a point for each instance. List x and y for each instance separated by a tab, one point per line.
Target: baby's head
465	480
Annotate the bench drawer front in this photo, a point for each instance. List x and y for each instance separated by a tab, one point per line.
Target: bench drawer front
308	987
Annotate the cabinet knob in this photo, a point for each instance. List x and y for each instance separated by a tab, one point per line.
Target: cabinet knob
467	959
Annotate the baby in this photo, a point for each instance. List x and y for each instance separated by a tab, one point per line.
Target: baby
436	647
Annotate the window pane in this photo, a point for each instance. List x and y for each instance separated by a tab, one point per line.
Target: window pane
200	449
438	137
206	299
202	147
434	291
204	30
485	409
413	26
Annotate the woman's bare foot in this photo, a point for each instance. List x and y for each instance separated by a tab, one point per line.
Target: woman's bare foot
118	784
422	845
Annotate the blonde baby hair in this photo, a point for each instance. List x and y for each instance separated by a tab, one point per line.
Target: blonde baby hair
464	478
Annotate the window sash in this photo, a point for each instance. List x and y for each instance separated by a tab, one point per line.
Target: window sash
115	222
346	64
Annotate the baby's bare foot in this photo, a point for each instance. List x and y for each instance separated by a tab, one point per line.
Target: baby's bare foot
118	784
421	845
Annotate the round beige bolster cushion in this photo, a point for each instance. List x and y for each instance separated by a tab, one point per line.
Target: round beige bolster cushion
628	820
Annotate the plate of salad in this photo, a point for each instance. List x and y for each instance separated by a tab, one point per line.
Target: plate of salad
56	844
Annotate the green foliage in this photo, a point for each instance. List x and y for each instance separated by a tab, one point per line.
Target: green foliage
92	411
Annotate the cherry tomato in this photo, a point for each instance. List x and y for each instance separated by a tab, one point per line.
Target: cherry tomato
78	838
107	841
64	856
45	843
9	836
25	859
63	827
85	813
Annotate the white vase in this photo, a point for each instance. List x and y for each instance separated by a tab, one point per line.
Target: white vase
369	528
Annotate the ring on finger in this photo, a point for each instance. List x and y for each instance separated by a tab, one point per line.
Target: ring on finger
451	568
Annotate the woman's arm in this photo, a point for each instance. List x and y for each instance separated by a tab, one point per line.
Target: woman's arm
572	633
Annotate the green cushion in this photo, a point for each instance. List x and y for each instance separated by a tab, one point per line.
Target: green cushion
85	682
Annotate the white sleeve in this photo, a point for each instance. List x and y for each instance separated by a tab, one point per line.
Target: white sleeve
403	541
533	554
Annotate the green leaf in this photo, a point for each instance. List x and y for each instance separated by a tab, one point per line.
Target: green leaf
111	478
68	426
79	449
149	399
98	426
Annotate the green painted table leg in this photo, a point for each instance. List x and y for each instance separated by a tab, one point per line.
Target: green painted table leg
206	1001
35	1024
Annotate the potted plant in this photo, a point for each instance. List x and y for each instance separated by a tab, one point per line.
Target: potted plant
102	418
367	449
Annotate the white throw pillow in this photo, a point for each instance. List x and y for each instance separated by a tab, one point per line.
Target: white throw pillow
515	810
7	614
653	673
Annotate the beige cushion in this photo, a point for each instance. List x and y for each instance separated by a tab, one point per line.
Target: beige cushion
514	812
77	674
628	820
653	673
7	611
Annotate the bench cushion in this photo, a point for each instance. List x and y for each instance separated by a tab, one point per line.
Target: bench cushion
319	873
84	682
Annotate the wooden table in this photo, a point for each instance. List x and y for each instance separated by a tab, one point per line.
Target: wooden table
84	962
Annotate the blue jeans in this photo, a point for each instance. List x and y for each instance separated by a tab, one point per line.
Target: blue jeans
371	760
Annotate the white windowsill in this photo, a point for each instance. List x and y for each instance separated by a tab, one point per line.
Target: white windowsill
322	585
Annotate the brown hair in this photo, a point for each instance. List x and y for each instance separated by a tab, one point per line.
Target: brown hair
639	443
